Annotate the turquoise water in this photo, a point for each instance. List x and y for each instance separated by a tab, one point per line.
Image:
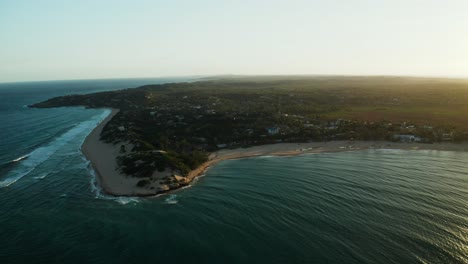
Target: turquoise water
376	206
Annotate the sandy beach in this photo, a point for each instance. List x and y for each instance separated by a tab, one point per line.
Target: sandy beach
103	158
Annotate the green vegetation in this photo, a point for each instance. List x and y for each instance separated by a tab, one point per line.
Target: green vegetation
176	125
143	183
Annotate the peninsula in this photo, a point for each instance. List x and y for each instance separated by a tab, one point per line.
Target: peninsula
160	137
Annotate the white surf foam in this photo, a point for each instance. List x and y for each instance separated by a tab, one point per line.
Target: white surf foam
266	157
41	154
20	158
126	200
40	177
196	179
172	199
99	194
97	121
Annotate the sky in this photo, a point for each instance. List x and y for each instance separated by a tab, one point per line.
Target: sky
92	39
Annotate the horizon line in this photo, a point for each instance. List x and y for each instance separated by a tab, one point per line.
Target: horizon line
228	75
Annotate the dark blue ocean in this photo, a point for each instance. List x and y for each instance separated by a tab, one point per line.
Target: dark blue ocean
375	206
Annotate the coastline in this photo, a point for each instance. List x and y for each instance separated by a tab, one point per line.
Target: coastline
88	148
294	149
103	158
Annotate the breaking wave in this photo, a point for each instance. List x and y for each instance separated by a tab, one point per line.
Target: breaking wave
99	194
172	199
27	163
19	159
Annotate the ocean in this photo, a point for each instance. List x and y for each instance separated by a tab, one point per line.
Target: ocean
373	206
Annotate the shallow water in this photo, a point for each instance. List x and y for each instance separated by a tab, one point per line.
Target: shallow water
375	206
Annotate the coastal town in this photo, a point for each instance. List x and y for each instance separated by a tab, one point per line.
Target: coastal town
165	132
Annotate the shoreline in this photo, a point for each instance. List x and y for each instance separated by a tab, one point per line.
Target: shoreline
103	158
295	149
87	148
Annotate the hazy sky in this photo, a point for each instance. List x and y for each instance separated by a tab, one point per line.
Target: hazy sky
81	39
